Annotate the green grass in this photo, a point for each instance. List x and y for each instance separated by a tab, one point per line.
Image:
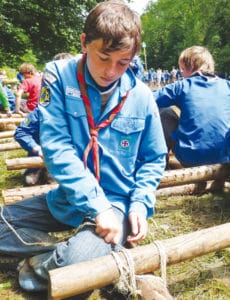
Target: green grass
206	277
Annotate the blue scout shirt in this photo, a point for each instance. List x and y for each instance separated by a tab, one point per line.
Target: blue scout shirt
204	103
27	133
131	149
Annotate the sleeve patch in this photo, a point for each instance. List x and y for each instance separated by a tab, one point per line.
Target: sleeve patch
45	96
49	77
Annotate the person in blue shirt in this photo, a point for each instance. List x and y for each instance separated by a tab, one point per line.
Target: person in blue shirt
197	134
102	141
137	67
27	135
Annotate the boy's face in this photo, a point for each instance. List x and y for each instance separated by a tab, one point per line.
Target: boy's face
105	67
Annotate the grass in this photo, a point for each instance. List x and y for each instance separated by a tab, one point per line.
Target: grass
206	277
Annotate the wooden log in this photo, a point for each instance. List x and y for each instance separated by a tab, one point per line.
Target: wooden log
13	195
24	163
11	120
7	140
9	146
194	174
193	188
7	134
14	115
170	178
99	272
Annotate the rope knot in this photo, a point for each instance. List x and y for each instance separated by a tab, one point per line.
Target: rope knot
94	133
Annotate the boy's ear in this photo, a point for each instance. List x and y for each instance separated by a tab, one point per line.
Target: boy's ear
83	45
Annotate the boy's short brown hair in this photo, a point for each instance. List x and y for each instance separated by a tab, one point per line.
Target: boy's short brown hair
197	58
27	69
116	24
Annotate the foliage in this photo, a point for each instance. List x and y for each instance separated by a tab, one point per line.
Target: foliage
37	30
171	26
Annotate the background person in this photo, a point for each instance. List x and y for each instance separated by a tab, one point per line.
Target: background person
31	84
7	97
27	135
197	135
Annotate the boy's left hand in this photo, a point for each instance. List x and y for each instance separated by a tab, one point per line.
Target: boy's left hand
139	227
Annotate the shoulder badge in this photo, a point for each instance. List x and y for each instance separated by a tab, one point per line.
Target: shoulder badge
49	77
45	96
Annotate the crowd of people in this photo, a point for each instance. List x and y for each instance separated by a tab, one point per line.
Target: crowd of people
105	135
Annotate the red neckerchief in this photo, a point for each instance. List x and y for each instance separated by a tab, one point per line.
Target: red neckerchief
93	143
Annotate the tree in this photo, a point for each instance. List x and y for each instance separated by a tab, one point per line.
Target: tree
41	28
171	26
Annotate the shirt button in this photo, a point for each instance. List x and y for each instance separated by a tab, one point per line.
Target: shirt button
75	113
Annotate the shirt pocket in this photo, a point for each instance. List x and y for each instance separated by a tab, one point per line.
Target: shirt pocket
77	121
125	135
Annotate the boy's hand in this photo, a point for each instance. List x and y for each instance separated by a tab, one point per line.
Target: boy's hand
139	227
18	111
108	227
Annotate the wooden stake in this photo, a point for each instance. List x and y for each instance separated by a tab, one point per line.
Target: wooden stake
99	272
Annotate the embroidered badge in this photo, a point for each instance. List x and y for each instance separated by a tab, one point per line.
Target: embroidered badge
71	91
49	77
27	121
44	96
124	143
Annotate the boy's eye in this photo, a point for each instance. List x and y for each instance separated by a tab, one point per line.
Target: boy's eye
124	63
103	58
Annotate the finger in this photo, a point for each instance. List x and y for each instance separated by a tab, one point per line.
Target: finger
134	224
112	238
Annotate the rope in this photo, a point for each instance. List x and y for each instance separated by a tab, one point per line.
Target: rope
163	261
126	283
18	236
36	243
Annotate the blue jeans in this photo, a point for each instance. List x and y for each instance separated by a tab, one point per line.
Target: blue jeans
24	231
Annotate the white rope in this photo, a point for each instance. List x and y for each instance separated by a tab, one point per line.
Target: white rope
163	260
18	236
126	284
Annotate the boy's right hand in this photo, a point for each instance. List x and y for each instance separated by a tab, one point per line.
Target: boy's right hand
108	226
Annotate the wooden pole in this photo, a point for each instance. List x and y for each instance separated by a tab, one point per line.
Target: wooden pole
9	146
24	163
14	115
7	134
11	120
170	178
193	188
7	140
100	272
194	174
13	195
